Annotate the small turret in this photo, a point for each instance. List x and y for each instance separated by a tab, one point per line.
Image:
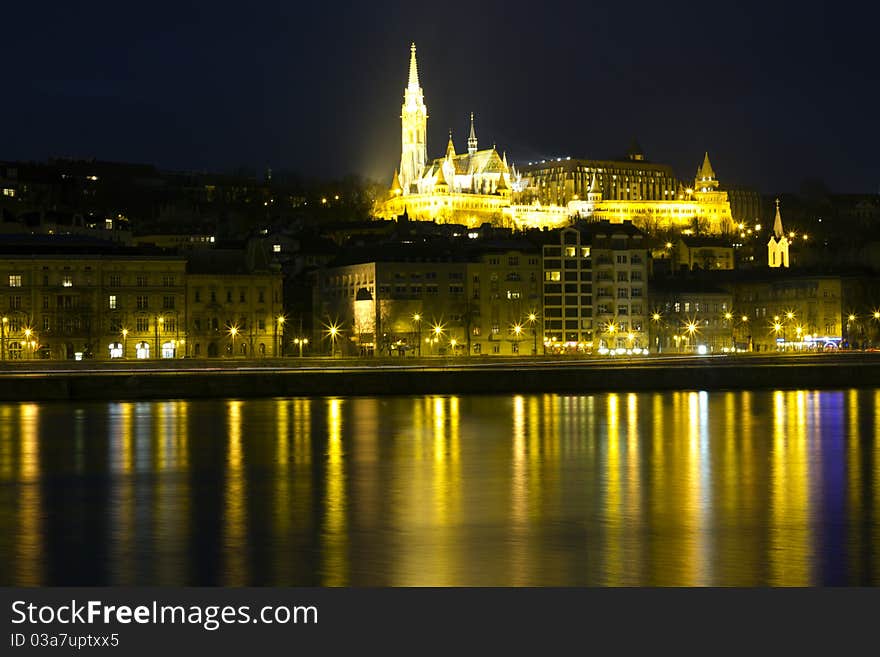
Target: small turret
472	138
450	148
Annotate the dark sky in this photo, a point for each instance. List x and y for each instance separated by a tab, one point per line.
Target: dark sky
776	92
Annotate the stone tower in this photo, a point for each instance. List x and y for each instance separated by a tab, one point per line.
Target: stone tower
413	123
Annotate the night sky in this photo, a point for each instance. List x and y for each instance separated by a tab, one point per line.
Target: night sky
775	94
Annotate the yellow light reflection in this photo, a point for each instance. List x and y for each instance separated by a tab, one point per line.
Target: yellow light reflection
235	544
334	537
29	557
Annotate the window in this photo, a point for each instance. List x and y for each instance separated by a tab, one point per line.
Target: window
276	248
552	276
67	280
45	303
115	280
15	280
687	306
622	276
513	261
261	297
168	302
197	324
47	322
228	296
213	296
142	302
622	293
570	252
168	281
141	281
142	324
241	296
621	259
112	302
585	252
198	296
15	303
170	324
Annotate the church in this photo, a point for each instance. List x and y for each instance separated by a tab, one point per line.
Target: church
470	188
479	186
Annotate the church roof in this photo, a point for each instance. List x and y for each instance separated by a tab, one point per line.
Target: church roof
705	171
441	179
777	223
485	161
395	182
413	68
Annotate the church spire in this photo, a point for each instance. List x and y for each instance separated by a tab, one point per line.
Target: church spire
472	138
450	148
777	223
413	68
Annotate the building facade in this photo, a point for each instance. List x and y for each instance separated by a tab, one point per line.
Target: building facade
595	291
484	302
125	304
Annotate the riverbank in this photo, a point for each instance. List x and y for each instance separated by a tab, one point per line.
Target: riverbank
122	381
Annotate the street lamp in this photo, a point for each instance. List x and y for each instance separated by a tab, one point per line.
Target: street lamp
437	330
333	332
691	328
279	326
233	331
655	318
517	332
417	318
777	329
3	324
728	316
611	329
124	333
300	342
532	319
452	343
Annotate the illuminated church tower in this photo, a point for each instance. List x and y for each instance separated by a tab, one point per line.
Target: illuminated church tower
777	247
413	120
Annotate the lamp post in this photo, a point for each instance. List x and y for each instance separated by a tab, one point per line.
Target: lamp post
656	317
333	332
611	330
777	329
3	324
300	342
517	332
532	319
27	337
789	316
279	326
233	331
124	336
691	328
417	318
437	330
159	320
453	343
729	317
745	323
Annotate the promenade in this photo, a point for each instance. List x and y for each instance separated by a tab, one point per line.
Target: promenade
179	379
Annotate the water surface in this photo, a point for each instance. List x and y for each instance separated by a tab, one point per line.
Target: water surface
685	488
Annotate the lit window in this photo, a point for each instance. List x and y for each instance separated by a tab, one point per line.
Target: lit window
276	248
112	302
15	280
67	281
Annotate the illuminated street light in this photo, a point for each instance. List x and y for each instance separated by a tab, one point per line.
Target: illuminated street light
656	316
333	331
417	318
533	318
233	331
691	328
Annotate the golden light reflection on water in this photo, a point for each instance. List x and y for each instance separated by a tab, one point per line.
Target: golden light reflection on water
687	488
235	541
29	553
334	543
